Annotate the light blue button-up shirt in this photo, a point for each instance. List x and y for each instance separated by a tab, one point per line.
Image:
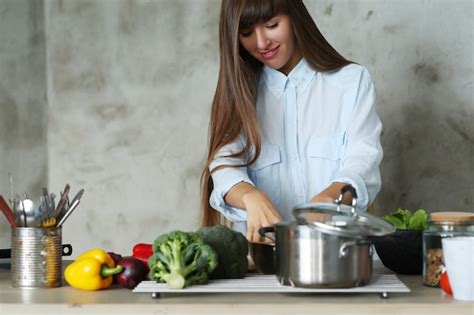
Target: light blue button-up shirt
317	128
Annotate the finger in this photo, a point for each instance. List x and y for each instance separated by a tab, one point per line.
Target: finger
261	238
275	219
250	233
272	218
277	215
256	235
274	215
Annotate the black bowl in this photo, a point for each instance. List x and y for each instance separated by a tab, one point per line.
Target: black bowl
402	251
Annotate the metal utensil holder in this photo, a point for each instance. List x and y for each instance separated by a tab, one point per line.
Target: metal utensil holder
36	257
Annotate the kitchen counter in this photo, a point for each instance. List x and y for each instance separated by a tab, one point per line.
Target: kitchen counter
66	300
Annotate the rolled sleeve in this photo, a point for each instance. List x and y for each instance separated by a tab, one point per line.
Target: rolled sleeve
224	179
362	149
227	177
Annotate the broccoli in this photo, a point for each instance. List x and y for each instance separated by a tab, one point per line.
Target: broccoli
181	259
231	248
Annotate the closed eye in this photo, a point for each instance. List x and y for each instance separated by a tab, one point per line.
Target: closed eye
245	33
271	26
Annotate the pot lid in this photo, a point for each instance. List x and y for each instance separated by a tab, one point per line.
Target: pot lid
342	220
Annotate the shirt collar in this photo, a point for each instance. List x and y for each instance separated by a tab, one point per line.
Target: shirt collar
300	76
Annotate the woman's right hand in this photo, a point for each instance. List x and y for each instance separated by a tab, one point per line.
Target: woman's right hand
260	213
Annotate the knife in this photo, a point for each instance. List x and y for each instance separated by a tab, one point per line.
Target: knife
64	211
62	201
68	213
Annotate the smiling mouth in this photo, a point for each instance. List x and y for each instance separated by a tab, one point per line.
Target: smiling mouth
269	54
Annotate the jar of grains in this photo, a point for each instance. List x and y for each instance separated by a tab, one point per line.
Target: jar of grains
442	224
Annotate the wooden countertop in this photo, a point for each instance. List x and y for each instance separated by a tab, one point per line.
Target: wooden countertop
115	300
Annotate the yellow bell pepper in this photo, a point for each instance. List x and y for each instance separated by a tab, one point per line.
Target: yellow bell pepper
92	270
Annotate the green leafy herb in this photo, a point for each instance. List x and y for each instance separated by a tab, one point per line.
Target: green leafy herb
403	219
419	220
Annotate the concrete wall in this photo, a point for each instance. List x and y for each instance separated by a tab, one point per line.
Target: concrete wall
129	86
23	114
420	55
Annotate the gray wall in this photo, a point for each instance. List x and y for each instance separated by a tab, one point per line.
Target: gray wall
129	86
420	55
23	114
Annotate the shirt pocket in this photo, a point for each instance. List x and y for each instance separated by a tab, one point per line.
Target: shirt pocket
324	157
265	171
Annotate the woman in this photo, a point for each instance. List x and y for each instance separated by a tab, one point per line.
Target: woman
292	120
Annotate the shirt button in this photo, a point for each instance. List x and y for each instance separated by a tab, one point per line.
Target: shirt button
293	157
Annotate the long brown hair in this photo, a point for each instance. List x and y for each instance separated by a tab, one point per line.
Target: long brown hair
233	112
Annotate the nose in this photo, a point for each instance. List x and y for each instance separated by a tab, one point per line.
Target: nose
262	40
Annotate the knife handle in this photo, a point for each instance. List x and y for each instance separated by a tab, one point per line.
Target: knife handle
68	213
63	211
62	201
7	212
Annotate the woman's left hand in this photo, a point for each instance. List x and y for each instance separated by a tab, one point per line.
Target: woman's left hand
331	193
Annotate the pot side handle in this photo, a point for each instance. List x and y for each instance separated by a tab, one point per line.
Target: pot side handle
265	230
66	250
344	247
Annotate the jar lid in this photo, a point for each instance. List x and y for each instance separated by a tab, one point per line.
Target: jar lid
341	220
452	217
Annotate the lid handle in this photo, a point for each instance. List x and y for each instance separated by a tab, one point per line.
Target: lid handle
352	191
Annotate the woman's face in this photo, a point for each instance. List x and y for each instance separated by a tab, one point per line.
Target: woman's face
272	43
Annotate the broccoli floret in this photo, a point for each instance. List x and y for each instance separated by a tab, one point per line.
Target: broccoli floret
181	259
231	248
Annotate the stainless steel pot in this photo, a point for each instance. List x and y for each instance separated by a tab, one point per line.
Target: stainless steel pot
306	257
327	246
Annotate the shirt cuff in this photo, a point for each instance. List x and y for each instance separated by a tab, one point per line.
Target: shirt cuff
352	178
230	213
224	179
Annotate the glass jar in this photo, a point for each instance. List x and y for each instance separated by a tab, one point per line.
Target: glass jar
442	224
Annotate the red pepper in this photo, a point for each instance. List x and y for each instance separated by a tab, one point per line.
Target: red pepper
142	251
444	283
